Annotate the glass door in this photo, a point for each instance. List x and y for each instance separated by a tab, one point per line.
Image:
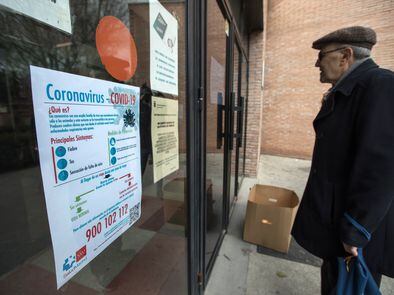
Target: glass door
216	56
236	116
241	124
150	257
223	125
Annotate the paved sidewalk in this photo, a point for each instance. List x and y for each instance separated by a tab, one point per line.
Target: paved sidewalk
240	270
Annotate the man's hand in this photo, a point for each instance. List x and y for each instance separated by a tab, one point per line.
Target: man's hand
350	249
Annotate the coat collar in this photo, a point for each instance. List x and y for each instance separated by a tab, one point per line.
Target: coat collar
345	87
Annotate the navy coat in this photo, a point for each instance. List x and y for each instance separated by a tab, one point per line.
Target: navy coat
353	171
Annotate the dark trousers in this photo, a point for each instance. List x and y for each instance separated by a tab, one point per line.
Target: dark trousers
329	275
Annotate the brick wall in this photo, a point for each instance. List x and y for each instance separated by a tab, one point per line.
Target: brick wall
253	134
292	91
255	99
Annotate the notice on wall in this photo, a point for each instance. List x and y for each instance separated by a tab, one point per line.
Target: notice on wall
55	13
163	49
89	147
165	140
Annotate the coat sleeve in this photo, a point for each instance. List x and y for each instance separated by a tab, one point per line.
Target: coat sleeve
371	183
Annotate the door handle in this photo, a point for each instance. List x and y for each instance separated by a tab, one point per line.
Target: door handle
240	129
219	119
232	109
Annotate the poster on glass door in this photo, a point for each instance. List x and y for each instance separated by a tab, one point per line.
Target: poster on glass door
89	147
165	140
163	28
55	13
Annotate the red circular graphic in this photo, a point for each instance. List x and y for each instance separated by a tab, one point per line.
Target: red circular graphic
116	48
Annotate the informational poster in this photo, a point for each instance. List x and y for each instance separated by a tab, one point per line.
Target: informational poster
165	140
55	13
89	147
163	49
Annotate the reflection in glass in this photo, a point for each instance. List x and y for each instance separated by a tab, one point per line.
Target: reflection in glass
236	70
216	67
241	124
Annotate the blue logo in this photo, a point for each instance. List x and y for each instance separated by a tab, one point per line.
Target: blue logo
68	263
112	141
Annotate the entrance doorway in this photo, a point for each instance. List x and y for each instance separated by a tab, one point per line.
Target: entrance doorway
224	126
215	125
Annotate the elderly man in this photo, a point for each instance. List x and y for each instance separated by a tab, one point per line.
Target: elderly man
348	199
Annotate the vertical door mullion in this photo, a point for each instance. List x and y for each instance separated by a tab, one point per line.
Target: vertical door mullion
239	80
245	114
195	79
227	128
203	209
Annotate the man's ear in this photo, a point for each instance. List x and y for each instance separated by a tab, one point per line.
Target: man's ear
347	53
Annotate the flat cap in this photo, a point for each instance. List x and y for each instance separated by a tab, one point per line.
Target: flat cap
357	36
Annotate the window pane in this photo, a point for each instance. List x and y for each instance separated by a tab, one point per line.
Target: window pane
215	124
150	257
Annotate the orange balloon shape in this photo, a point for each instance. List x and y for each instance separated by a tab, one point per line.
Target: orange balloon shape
116	48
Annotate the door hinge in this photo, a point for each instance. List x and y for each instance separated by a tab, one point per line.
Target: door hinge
200	278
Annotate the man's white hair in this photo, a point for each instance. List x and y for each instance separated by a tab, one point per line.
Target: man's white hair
359	52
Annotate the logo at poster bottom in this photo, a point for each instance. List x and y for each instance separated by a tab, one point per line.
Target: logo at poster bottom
68	263
73	261
81	253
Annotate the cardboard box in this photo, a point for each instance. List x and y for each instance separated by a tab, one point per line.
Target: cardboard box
269	217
